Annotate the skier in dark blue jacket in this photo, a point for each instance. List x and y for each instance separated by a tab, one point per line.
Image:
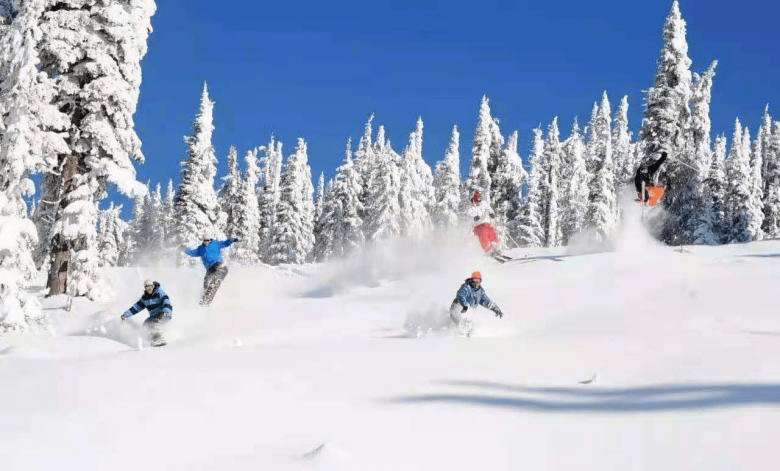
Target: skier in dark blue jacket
471	294
210	253
160	310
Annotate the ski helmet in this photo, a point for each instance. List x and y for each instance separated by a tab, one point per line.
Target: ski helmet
476	197
476	276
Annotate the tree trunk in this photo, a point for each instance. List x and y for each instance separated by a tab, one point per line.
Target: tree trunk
60	246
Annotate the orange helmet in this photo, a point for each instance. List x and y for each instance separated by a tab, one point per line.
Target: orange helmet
476	276
476	197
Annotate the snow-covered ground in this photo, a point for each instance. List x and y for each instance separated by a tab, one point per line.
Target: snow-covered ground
644	357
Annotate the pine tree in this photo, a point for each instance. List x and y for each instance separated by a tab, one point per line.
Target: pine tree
169	223
528	228
231	186
771	160
319	199
93	51
246	214
552	216
416	192
110	236
384	201
446	184
740	213
577	190
293	232
711	223
341	227
269	194
197	211
479	175
622	151
602	203
508	181
29	138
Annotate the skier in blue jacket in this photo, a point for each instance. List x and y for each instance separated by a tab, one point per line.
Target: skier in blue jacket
160	310
471	294
210	253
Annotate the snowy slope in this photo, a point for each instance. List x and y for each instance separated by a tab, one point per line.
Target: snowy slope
346	367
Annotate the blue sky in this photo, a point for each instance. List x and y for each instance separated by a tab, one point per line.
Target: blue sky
318	69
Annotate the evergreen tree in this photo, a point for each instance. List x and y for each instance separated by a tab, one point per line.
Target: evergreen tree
740	213
446	184
528	228
228	194
196	208
602	204
508	181
29	140
552	216
169	223
319	199
110	236
416	191
270	194
93	51
341	227
711	223
293	233
384	201
246	214
479	175
577	191
771	161
622	150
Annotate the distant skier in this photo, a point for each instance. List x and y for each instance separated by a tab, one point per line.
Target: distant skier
160	310
480	211
471	294
210	253
646	176
483	227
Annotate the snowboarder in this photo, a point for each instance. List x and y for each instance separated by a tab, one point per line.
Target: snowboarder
646	177
160	310
471	294
483	228
210	253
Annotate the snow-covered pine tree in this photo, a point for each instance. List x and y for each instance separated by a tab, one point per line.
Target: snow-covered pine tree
29	141
341	227
756	186
269	193
293	233
93	50
771	160
602	202
196	207
740	213
384	200
228	193
622	149
168	214
508	181
246	214
528	228
319	198
446	184
479	175
666	127
700	120
416	192
711	221
552	216
577	192
110	236
365	162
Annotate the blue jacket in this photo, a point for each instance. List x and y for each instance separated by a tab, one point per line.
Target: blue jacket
210	254
468	296
157	303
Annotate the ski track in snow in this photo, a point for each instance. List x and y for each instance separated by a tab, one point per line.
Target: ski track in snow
623	357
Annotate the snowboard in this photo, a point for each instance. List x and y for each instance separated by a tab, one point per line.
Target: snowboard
211	284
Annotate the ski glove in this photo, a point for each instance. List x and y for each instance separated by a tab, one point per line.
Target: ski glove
234	240
498	312
465	308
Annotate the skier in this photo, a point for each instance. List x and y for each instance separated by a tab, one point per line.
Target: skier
210	253
160	310
480	210
646	177
471	294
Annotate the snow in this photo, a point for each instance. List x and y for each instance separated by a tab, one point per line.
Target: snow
347	366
